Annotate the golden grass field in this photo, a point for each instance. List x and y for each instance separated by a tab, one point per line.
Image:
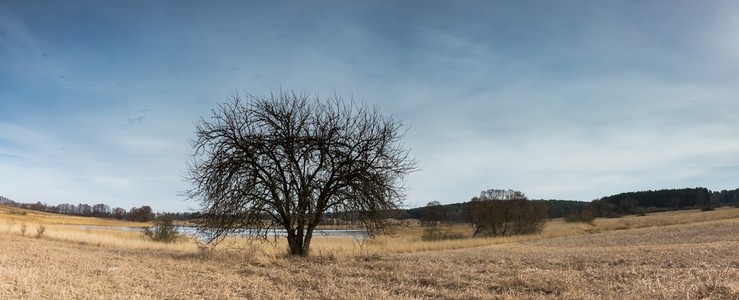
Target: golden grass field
672	255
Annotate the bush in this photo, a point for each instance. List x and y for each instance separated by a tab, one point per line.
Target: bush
17	212
640	211
40	231
572	218
164	230
584	216
587	216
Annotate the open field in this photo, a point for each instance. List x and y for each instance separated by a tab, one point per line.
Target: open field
675	255
19	215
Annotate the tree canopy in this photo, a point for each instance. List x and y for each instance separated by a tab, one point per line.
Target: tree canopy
286	159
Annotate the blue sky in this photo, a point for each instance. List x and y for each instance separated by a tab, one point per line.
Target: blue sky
559	99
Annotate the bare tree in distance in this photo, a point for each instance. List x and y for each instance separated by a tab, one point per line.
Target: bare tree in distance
499	212
291	157
432	214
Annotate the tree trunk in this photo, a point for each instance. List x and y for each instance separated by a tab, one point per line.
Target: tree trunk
306	243
295	243
298	242
308	238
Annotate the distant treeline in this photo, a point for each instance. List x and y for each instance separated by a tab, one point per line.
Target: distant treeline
631	203
611	206
675	199
661	200
459	212
101	210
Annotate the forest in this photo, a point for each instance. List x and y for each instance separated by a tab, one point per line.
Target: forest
628	203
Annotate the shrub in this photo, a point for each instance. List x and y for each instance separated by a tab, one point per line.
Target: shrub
572	218
40	231
640	211
587	216
164	230
584	216
17	212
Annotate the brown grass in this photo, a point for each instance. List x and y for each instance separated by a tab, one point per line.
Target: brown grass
18	215
676	255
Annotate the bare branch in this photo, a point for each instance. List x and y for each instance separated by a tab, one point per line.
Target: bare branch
289	158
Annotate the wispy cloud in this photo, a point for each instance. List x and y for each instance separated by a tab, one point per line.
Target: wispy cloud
555	99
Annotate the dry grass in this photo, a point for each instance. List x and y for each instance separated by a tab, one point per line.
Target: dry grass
82	230
676	255
408	239
19	215
665	219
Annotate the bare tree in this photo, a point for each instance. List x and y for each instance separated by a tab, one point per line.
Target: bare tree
285	160
432	213
100	210
504	212
119	213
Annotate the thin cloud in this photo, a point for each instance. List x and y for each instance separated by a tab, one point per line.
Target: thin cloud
557	100
138	119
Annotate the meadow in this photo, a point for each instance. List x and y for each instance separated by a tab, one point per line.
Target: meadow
671	255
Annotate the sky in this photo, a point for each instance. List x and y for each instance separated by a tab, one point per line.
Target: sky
558	99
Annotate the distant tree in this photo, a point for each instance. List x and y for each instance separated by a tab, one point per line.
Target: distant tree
84	210
146	214
6	201
704	200
141	214
119	213
38	206
584	216
602	208
100	210
432	214
66	208
289	158
133	213
627	205
506	212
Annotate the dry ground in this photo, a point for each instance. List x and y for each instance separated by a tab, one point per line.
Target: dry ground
18	215
681	255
